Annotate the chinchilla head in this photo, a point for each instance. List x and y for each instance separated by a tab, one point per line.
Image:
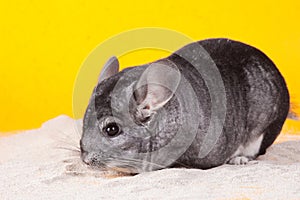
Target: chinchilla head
132	117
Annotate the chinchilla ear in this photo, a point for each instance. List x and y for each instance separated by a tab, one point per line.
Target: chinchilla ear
110	68
156	86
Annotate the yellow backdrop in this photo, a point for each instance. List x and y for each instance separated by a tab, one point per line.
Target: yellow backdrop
43	44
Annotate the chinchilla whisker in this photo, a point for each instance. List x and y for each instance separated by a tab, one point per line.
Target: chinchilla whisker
75	129
68	136
137	161
67	144
124	168
68	141
69	149
105	166
109	162
71	158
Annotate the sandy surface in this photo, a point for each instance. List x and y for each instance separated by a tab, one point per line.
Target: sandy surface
45	164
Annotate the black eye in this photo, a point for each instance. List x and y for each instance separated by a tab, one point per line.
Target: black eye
112	129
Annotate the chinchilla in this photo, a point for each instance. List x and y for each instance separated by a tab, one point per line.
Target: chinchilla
212	102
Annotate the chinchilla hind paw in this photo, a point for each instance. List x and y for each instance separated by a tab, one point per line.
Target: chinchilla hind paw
239	160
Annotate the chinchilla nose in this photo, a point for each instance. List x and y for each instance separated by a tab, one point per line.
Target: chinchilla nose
90	158
86	158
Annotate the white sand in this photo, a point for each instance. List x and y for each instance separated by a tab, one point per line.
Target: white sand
32	166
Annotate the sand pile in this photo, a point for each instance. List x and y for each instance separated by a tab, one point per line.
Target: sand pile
45	164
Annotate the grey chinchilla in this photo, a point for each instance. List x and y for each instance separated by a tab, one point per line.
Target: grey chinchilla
212	102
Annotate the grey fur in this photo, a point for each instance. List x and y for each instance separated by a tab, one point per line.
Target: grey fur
255	101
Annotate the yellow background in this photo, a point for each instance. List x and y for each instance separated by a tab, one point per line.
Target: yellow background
43	44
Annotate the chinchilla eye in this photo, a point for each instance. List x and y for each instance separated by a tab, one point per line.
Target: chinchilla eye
112	129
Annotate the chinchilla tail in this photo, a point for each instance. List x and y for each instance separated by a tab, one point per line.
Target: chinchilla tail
292	113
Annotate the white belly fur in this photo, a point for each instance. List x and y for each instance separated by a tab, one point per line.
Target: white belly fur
249	150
